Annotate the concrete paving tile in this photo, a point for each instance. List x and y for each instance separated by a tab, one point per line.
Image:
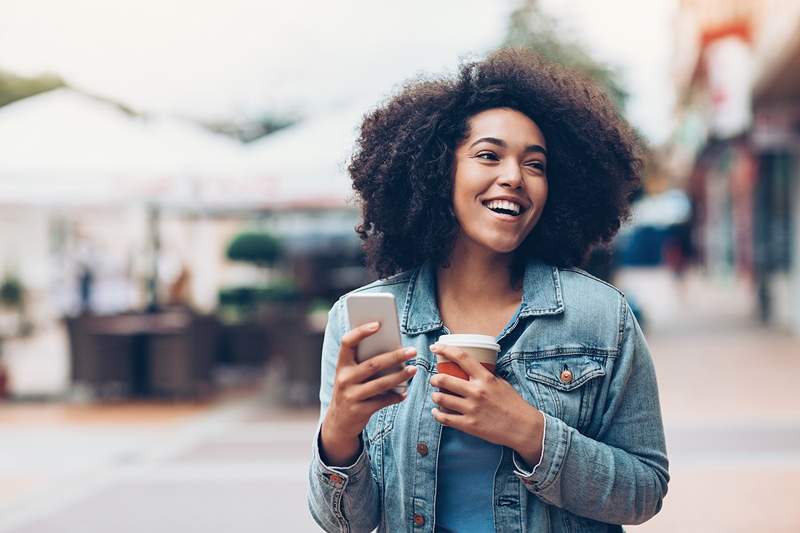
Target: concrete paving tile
273	414
732	499
230	451
125	414
12	487
763	439
236	506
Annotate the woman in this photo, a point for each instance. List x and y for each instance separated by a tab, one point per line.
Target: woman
479	197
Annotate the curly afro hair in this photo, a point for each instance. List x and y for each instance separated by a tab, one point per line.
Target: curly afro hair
403	166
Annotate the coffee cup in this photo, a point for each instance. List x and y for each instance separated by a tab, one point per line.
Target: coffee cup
482	348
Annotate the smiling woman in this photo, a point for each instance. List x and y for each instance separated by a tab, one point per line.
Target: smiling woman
480	196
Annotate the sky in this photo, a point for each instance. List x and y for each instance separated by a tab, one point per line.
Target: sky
235	59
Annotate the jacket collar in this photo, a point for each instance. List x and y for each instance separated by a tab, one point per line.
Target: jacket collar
541	295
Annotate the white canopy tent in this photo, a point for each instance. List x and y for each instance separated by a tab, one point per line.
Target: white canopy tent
305	164
66	148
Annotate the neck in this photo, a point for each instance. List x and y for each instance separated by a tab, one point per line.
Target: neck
477	275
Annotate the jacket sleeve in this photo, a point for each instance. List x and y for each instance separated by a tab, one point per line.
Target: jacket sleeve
621	477
341	499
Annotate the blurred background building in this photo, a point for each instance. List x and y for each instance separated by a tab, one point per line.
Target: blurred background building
736	145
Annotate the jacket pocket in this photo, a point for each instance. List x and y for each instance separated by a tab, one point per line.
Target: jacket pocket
566	386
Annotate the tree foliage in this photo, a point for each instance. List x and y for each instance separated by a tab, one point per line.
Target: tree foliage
260	248
252	130
12	293
13	87
531	28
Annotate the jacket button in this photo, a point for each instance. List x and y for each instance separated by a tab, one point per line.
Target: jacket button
422	449
566	376
336	479
419	520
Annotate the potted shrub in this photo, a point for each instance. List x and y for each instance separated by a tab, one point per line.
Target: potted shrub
258	247
12	306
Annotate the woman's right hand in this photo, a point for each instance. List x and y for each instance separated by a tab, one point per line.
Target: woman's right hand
358	393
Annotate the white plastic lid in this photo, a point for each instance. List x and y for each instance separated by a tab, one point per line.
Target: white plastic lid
468	340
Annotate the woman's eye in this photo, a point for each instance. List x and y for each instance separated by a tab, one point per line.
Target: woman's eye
537	165
488	156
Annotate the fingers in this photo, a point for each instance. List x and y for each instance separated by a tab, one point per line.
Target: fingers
451	402
453	420
455	354
383	384
366	369
452	384
350	340
383	400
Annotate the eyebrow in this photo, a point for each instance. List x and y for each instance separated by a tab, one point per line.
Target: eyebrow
500	142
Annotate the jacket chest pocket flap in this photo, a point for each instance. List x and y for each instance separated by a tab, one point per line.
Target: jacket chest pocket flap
566	386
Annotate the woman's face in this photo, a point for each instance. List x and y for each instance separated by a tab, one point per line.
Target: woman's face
500	184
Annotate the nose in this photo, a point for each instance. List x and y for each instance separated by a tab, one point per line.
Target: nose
510	177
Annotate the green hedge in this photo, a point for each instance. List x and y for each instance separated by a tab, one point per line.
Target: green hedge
254	247
284	291
11	292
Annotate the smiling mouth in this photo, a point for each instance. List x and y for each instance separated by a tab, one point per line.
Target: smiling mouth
504	207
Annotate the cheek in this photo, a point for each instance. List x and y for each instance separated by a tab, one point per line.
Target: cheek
538	192
466	187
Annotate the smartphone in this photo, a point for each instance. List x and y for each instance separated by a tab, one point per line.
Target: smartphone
363	308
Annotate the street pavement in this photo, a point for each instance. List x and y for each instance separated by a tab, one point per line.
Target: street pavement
731	408
235	466
238	464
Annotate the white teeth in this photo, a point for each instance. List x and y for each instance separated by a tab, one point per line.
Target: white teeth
504	204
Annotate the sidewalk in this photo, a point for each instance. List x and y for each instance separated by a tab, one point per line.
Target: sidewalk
238	465
731	409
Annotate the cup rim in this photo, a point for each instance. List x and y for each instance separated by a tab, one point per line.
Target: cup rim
469	340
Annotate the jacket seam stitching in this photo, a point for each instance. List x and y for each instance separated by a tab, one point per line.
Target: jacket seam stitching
337	509
623	318
595	278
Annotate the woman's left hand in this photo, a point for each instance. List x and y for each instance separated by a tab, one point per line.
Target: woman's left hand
486	406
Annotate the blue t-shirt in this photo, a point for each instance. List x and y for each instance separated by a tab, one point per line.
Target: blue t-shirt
465	483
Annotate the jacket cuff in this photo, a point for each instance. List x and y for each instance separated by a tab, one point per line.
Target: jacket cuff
555	443
339	476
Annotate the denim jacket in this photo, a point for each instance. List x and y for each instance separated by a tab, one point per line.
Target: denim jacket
603	460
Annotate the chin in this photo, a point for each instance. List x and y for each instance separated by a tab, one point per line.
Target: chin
501	247
500	243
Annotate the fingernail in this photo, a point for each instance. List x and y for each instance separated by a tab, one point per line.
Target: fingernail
434	347
410	351
411	370
373	325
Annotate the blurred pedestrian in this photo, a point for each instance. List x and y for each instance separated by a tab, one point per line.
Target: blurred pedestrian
479	196
677	252
85	260
4	375
180	288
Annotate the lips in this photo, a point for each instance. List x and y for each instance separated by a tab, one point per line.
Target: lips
505	208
